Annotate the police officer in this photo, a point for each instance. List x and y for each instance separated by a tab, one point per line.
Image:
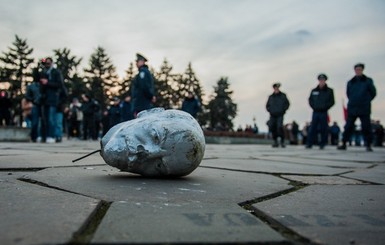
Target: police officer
142	90
277	105
321	99
360	91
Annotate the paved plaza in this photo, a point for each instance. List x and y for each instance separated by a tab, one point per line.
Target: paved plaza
244	194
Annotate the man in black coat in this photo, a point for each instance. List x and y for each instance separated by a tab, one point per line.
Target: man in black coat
191	104
360	91
142	90
321	100
277	105
51	84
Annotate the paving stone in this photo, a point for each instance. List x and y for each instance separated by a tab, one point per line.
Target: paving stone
35	155
203	185
264	166
32	214
332	214
307	160
203	223
323	180
374	175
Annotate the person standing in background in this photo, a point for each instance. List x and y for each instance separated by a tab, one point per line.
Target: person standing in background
277	105
321	99
360	91
142	90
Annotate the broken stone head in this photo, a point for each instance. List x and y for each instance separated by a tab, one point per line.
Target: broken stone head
157	143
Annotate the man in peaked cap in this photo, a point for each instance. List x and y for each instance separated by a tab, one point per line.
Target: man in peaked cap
142	89
277	105
321	99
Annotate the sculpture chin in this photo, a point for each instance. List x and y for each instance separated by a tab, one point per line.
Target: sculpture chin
157	143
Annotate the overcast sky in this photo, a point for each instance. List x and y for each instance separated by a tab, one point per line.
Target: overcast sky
252	42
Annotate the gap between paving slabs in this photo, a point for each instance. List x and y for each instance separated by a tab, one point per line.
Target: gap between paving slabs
85	233
274	224
87	230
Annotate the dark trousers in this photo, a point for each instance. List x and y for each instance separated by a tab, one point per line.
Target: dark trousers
89	127
365	125
319	123
276	127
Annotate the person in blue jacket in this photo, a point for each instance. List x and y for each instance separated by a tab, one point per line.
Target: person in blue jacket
321	99
191	104
360	91
142	89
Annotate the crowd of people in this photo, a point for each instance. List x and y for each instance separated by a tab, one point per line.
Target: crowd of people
45	110
360	91
47	114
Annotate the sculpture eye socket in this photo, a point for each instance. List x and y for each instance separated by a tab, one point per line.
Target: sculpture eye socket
155	136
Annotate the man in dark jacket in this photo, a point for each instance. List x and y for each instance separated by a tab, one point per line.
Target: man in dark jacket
360	91
51	87
114	113
321	100
89	108
142	90
126	109
277	105
33	95
191	104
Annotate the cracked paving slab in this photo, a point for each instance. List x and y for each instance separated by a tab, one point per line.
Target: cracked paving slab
32	214
161	204
202	223
264	166
332	214
374	175
203	185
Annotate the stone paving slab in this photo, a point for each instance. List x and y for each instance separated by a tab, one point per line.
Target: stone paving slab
307	196
204	223
332	214
257	165
32	214
374	175
203	185
323	180
317	162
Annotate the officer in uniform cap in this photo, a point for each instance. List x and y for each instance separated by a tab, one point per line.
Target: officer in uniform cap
140	57
277	105
142	90
321	99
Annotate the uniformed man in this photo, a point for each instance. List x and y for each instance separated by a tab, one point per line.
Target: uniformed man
321	99
142	89
277	105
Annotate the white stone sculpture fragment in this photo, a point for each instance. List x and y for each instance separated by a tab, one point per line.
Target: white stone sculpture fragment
157	143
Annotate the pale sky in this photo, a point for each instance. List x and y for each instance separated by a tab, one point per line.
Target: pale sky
254	43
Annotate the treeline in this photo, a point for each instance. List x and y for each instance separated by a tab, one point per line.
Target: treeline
99	78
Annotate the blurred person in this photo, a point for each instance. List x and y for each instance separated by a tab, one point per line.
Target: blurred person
114	113
126	109
33	94
378	131
26	108
321	99
5	108
334	133
294	133
63	94
191	104
89	108
360	91
142	88
51	85
75	116
277	105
